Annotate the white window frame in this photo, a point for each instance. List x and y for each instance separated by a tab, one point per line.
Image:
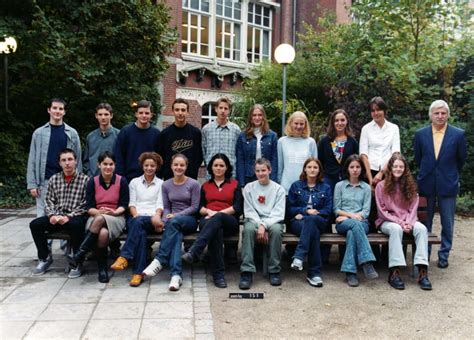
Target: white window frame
244	27
211	115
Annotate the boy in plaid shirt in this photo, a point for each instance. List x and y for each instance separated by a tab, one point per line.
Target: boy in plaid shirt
65	210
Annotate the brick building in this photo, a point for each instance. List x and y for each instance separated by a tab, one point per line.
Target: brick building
221	40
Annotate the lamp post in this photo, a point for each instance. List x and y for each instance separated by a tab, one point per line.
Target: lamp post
284	55
7	46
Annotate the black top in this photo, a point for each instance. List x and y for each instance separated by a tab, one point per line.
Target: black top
332	168
185	140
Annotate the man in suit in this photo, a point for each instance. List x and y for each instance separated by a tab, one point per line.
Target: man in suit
440	153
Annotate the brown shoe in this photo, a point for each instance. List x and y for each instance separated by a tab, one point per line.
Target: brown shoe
136	280
120	263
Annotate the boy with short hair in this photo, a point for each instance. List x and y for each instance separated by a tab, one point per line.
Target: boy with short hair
100	140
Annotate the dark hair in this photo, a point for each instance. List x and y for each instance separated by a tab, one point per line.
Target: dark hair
105	106
408	187
153	156
144	103
180	101
224	100
263	161
249	127
67	150
379	102
331	131
57	100
320	176
228	171
104	155
349	160
180	155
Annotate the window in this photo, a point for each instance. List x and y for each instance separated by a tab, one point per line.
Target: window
195	27
228	25
208	113
217	29
258	33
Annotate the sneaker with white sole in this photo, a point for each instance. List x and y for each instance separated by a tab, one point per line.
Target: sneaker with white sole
42	266
175	283
75	272
297	264
315	281
154	268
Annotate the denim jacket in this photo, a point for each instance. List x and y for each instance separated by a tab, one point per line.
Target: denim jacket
35	173
246	151
298	197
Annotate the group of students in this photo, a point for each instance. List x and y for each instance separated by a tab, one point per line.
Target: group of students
274	182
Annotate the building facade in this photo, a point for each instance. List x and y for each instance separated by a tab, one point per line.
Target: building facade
220	41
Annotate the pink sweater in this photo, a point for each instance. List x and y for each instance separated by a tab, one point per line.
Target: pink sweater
394	208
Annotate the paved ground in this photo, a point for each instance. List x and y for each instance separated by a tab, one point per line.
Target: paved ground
53	306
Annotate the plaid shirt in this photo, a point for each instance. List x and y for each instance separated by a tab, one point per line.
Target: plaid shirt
66	199
217	138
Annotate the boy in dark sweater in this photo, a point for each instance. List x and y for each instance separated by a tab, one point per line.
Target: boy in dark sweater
134	139
180	137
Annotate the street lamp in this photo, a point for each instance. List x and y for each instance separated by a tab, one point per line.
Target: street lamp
7	46
284	55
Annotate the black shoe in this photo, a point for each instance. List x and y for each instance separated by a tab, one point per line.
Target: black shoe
188	258
423	280
219	282
275	279
89	242
443	264
245	280
395	280
103	275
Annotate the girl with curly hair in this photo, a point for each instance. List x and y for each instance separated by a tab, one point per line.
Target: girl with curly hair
397	205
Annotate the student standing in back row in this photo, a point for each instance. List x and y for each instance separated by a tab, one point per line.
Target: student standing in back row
294	149
221	135
180	137
46	144
134	139
100	140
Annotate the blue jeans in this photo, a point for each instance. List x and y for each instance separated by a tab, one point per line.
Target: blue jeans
309	229
211	234
169	252
447	209
358	249
135	246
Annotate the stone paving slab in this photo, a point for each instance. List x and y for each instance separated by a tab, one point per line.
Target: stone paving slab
52	306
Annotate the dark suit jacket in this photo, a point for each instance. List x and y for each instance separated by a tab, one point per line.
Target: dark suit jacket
439	176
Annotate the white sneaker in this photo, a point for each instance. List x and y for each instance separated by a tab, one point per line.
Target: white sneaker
175	283
42	266
75	272
297	264
154	268
315	281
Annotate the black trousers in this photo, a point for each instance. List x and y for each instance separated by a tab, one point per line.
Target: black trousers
40	227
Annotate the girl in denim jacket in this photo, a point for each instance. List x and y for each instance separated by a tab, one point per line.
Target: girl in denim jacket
256	141
310	203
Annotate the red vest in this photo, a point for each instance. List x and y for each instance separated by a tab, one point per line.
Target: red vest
107	198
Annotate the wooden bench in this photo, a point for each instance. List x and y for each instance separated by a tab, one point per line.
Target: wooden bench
327	238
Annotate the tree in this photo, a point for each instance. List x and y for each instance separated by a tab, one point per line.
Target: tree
409	52
86	52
